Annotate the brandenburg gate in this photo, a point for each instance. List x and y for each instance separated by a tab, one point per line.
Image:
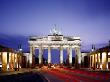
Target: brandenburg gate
55	40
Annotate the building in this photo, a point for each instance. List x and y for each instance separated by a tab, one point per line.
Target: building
10	60
84	59
26	59
55	40
100	58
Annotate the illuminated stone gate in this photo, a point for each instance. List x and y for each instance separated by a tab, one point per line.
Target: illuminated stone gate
55	40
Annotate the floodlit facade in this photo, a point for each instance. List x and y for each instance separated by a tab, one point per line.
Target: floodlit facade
100	59
9	59
55	40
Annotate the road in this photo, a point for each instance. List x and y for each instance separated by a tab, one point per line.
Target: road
31	76
51	77
54	75
67	75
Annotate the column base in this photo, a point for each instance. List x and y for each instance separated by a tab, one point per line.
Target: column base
61	65
30	65
40	65
77	66
70	66
49	65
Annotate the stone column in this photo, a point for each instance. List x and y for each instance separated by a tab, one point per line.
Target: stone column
90	62
106	60
94	62
77	57
101	60
31	56
49	55
4	61
61	55
97	61
40	55
15	60
70	55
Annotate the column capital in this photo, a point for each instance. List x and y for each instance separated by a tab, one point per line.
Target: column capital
71	45
31	45
49	44
61	44
61	47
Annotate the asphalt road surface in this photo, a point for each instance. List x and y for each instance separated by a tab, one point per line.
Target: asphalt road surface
23	77
54	75
67	75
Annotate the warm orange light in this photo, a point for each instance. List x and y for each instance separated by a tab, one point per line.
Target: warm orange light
4	57
99	57
103	57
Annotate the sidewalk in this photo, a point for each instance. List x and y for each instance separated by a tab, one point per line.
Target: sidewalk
22	70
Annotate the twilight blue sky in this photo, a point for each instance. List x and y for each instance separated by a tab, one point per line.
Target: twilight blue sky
89	19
